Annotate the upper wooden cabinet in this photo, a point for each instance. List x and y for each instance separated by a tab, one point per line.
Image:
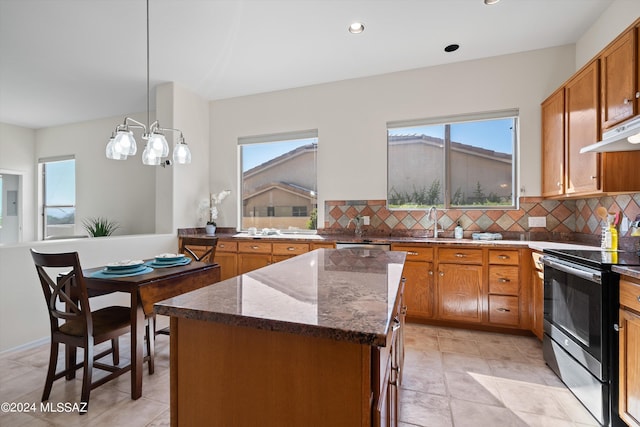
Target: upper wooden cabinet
619	80
583	128
553	144
575	115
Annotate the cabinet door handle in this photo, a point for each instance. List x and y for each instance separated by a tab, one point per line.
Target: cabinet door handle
503	309
593	177
222	245
503	280
255	247
637	95
412	253
559	184
638	298
430	272
503	257
290	248
626	101
441	273
459	255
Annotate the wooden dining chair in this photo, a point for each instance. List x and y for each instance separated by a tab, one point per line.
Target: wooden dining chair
75	325
199	249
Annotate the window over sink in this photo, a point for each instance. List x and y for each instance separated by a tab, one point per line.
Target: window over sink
279	182
464	161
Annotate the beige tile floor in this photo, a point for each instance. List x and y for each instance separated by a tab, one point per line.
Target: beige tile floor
452	377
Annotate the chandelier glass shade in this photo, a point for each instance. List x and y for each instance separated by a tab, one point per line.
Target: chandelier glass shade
122	143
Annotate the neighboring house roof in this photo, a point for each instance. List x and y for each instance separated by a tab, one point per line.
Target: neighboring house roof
281	159
284	186
456	146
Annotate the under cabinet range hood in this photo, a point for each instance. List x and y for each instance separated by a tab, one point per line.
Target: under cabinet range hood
624	137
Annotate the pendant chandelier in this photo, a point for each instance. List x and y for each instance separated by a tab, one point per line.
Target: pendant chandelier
122	143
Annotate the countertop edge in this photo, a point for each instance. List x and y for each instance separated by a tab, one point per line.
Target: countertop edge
367	338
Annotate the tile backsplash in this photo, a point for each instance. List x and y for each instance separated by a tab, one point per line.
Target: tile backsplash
565	219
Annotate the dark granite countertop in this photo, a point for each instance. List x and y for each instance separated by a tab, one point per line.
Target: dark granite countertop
352	238
340	294
633	272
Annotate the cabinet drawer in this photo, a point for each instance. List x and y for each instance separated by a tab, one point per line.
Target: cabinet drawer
254	247
504	280
415	253
630	295
290	248
460	256
497	256
226	246
504	310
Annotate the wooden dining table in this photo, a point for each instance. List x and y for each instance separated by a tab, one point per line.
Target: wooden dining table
144	291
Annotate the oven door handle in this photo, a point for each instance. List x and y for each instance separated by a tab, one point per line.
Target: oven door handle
583	273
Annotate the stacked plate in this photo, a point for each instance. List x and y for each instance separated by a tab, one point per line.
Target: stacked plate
169	260
125	267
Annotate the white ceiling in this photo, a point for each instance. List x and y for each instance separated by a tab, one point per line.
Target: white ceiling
64	61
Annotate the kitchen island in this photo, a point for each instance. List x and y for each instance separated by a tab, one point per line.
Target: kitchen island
315	340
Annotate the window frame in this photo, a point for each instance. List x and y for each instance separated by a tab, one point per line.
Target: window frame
276	138
446	156
42	163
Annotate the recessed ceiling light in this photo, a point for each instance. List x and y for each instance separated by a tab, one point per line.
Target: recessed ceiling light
356	28
451	48
490	2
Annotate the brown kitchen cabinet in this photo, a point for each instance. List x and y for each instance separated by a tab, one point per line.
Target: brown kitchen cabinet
227	257
504	287
282	251
419	287
553	129
583	128
629	352
459	284
537	295
594	100
322	245
253	255
619	80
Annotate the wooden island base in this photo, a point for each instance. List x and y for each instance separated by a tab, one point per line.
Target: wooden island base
237	376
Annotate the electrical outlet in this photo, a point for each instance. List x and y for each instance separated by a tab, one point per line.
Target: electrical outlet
366	220
537	221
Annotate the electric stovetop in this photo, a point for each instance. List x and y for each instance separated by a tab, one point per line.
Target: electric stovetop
596	257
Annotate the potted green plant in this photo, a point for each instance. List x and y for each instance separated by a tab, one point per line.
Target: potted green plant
99	226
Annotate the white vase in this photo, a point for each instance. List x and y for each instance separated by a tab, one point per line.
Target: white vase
210	229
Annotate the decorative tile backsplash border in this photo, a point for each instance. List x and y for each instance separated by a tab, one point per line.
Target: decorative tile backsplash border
563	217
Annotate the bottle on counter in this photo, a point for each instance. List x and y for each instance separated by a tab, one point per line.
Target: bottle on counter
458	233
606	237
614	238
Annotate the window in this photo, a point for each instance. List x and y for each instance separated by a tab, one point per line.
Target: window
58	196
279	181
456	162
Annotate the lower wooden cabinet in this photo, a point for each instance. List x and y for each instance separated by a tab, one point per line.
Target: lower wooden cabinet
419	287
460	292
227	258
465	284
537	295
629	334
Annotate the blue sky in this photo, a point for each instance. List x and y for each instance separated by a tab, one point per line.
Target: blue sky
490	134
256	154
493	134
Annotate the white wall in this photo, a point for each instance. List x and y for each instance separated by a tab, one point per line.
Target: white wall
23	314
120	190
613	21
181	187
17	153
351	118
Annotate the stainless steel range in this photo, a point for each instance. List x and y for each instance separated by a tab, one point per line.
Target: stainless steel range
580	315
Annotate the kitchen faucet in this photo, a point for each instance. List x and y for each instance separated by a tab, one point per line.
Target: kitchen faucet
433	214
